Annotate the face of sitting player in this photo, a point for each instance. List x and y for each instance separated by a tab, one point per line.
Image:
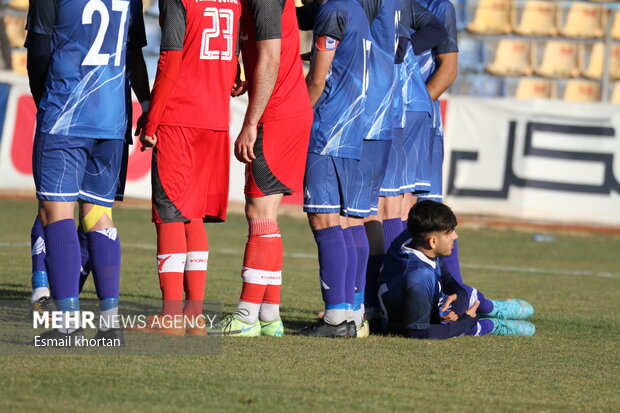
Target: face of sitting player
441	243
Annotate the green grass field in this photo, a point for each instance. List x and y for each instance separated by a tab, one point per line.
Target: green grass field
571	364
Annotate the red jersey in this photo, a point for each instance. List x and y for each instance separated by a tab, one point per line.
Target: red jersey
276	19
206	31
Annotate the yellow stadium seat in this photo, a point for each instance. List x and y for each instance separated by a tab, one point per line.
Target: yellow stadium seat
582	91
560	59
594	69
615	28
512	58
535	88
15	30
539	18
584	20
615	94
492	17
18	4
18	62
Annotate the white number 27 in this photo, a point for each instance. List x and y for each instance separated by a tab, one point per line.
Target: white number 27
94	57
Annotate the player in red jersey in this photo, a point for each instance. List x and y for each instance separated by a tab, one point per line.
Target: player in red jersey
273	143
187	126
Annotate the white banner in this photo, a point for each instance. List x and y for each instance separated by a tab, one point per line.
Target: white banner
544	160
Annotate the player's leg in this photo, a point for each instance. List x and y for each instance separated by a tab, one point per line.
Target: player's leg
40	296
97	195
195	274
58	185
324	199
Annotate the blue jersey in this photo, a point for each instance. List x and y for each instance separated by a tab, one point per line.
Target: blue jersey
339	128
85	89
444	10
415	94
384	29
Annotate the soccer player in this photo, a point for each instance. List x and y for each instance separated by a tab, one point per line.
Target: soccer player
84	49
439	68
187	125
273	143
337	84
419	300
387	33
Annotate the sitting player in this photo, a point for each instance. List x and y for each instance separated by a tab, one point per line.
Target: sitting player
419	301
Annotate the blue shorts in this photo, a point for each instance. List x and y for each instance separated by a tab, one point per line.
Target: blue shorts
367	177
66	168
393	177
416	145
122	177
325	183
436	191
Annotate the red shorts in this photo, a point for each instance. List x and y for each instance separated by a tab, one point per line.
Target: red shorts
190	174
281	149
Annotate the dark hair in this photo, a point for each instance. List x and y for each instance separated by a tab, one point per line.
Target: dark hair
429	216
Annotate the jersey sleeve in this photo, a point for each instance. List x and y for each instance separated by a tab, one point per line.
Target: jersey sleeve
418	297
447	15
173	23
41	17
267	15
429	31
136	38
330	22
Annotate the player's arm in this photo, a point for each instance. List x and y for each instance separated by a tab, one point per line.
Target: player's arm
452	287
267	16
40	26
315	79
429	31
447	56
139	77
172	16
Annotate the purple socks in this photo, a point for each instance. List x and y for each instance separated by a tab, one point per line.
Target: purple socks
392	228
104	250
63	259
333	264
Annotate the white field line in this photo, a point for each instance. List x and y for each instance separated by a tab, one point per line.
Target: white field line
503	268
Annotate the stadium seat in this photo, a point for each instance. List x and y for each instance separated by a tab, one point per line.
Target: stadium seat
470	55
15	30
535	88
512	58
18	62
615	28
492	17
582	91
560	59
583	20
18	4
595	66
615	93
538	18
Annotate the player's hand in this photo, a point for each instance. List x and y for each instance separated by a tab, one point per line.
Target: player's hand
451	316
244	145
239	88
148	142
140	124
471	311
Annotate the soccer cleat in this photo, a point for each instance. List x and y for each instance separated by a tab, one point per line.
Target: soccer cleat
273	328
351	329
43	305
55	338
233	326
363	330
512	327
321	329
111	334
162	324
510	309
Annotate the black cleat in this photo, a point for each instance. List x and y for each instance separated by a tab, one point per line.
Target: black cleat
351	329
321	329
114	334
375	326
43	305
55	338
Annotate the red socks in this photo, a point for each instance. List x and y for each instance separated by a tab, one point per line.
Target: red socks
262	263
195	266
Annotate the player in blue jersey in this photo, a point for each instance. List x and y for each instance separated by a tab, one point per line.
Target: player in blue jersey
428	32
419	300
337	84
82	104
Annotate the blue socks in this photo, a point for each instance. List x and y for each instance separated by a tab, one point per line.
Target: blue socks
104	250
85	267
362	248
62	259
392	228
451	263
332	252
40	283
351	271
482	328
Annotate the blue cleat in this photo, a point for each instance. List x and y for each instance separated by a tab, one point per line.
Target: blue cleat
512	328
510	309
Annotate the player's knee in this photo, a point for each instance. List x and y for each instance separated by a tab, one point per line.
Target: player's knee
98	217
